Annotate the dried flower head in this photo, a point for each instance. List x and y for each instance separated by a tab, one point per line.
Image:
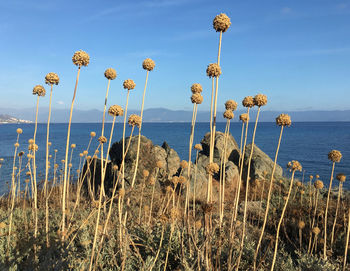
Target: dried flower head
298	184
198	147
115	167
16	144
30	141
311	177
151	180
335	156
317	176
134	120
121	192
159	164
283	120
182	180
183	164
231	105
318	184
19	131
316	230
212	168
341	177
20	154
92	134
102	139
81	154
244	117
85	152
196	88
175	180
213	70
33	147
116	110
175	214
145	173
52	78
73	146
301	224
228	114
221	22
129	84
81	58
260	100
70	165
302	192
39	90
294	166
196	98
248	102
110	74
148	64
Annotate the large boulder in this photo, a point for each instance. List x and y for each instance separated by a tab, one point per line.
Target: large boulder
260	163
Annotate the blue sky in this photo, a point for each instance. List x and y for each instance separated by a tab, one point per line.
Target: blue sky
296	52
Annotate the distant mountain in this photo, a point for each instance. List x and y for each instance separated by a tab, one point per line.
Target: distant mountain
4	118
166	115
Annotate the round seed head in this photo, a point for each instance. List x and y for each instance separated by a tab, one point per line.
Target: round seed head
298	184
213	70
81	154
115	167
30	141
110	74
70	165
20	154
302	192
248	102
182	180
221	22
102	139
129	84
85	152
196	98
317	176
318	184
183	164
39	90
16	144
134	120
260	100
228	114
341	177
145	173
26	180
52	78
301	224
198	147
92	134
73	146
121	192
311	177
151	180
294	166
244	117
159	164
212	168
231	105
19	131
196	88
116	110
148	64
283	120
335	156
81	58
175	180
316	230
33	147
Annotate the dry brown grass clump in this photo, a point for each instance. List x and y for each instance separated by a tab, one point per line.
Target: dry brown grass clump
221	22
129	84
134	120
81	58
52	79
196	88
39	90
213	70
110	74
148	64
335	156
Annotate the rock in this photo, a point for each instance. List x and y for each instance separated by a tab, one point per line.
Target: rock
172	159
260	162
253	207
219	146
231	173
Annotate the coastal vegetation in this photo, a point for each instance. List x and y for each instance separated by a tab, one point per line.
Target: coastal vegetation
131	205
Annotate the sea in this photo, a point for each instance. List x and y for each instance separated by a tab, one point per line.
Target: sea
307	142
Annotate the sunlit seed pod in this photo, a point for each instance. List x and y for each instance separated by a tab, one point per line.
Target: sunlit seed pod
183	164
92	134
16	145
134	120
110	74
318	184
148	64
231	105
196	88
39	90
115	110
260	100
221	22
52	78
341	177
213	70
248	102
228	114
81	58
196	98
198	147
85	152
335	156
115	167
244	117
283	120
301	224
73	146
102	139
316	230
19	131
145	173
129	84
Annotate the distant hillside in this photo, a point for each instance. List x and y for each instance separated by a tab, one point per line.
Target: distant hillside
4	118
166	115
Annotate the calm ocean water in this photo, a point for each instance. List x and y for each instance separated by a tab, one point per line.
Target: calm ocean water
308	142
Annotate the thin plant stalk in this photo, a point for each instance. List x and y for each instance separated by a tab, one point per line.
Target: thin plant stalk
336	212
268	201
125	114
240	146
66	159
280	221
139	138
347	242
